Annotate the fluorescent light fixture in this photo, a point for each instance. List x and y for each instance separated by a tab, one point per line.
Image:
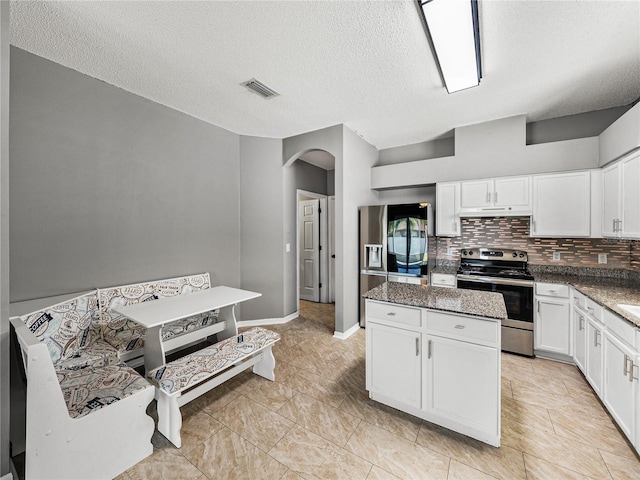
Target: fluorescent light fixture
455	36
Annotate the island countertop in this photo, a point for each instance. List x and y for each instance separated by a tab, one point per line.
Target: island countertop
469	302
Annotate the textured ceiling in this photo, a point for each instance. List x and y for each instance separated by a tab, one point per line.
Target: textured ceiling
366	64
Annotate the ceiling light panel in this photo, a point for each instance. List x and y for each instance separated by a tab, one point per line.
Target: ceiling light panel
454	37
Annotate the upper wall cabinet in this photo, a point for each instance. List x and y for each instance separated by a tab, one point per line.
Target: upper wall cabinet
448	209
621	198
562	205
496	197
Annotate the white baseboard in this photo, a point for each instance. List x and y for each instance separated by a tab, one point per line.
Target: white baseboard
267	321
8	476
348	333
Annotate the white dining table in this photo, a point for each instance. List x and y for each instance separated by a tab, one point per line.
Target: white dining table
153	315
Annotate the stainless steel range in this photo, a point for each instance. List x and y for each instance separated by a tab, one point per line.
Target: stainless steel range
503	271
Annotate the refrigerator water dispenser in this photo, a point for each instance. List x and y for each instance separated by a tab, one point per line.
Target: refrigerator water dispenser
373	255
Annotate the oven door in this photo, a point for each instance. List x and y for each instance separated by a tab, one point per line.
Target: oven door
518	296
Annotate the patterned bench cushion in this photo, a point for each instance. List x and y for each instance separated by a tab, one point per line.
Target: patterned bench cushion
88	389
64	327
196	367
126	335
97	354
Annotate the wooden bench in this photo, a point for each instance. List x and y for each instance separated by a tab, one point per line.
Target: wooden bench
185	379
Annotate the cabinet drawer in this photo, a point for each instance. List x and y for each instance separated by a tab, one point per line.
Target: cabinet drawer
579	299
552	290
464	328
394	313
443	280
620	327
594	309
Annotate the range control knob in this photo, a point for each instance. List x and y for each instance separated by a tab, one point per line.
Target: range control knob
514	254
470	252
522	255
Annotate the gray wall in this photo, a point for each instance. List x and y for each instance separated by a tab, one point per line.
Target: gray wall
109	188
4	239
261	217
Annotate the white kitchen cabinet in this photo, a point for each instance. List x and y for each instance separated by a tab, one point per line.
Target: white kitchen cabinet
561	205
499	196
594	360
394	363
448	209
621	198
462	382
621	384
552	323
442	367
580	339
447	280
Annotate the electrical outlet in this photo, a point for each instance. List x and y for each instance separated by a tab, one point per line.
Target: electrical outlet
602	258
449	251
556	256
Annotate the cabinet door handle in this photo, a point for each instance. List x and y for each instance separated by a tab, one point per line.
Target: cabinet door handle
581	323
595	338
488	197
391	314
619	225
417	346
590	310
613	228
626	361
429	349
553	292
460	327
495	197
631	371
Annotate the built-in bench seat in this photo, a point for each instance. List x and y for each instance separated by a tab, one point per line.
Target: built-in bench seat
86	411
186	378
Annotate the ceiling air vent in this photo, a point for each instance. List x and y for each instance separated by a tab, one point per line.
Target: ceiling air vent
260	88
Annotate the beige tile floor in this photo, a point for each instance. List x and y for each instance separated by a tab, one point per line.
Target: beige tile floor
317	422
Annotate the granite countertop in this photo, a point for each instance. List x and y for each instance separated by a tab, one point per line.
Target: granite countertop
469	302
607	291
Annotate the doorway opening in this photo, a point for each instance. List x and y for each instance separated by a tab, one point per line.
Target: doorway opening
316	247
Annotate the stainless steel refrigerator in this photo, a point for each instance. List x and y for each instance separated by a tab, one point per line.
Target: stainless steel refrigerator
394	245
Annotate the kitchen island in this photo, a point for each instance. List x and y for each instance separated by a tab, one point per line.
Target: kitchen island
435	353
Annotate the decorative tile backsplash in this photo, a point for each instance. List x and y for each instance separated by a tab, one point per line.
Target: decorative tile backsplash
513	233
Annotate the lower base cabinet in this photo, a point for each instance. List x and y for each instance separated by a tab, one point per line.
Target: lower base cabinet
593	370
620	385
441	367
462	382
396	364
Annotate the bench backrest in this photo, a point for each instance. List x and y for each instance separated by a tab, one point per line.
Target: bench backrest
114	297
65	327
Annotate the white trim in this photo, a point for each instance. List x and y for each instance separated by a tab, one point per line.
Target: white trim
267	321
8	476
348	333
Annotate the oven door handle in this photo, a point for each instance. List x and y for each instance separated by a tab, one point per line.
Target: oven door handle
495	280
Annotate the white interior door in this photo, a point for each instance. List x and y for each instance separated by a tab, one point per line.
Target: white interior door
309	241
